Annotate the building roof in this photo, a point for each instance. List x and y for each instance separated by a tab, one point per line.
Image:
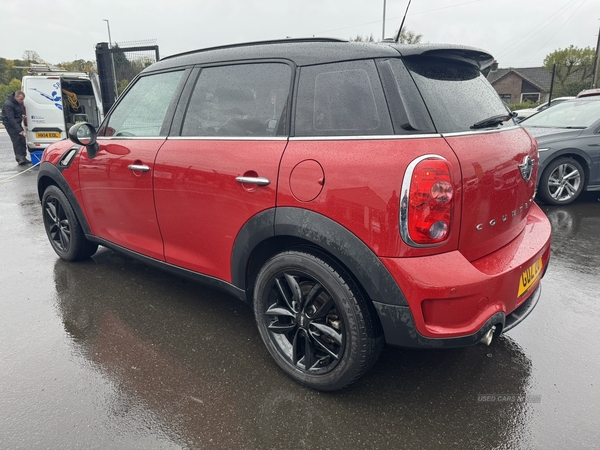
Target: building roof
538	76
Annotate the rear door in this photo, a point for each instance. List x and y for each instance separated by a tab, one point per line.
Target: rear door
44	110
222	168
116	185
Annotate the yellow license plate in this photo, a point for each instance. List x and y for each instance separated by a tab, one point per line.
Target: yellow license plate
530	276
47	135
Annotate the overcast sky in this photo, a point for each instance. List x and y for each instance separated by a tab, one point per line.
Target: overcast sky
519	33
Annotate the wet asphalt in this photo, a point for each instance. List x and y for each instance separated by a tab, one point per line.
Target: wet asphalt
111	354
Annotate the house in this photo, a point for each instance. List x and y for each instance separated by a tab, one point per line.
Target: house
519	85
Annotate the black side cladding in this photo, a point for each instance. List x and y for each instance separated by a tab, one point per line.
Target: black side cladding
324	233
50	174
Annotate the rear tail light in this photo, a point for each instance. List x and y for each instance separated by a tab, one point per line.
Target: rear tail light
426	207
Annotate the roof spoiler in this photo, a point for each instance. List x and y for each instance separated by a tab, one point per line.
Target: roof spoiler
469	55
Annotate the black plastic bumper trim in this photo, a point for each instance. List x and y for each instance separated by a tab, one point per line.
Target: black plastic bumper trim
46	130
400	331
519	314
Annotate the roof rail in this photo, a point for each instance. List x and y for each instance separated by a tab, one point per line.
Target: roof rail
247	44
37	68
47	69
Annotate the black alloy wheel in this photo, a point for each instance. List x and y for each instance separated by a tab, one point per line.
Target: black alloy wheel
314	321
63	228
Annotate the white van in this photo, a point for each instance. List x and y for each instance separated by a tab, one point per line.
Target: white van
55	100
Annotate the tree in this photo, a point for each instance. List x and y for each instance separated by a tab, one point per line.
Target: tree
361	38
409	37
9	88
79	65
5	65
123	69
574	67
32	57
406	37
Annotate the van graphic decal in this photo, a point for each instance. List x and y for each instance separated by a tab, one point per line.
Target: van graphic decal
54	97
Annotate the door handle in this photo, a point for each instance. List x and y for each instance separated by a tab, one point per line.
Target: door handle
140	167
260	181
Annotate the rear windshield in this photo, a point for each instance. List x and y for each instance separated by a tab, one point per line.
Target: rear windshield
572	114
457	95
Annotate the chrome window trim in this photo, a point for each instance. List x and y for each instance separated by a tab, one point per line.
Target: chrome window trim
365	138
467	133
227	138
131	138
404	202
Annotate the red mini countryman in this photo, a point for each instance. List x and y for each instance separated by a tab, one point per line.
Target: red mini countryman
353	194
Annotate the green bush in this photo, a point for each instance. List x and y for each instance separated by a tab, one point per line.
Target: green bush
522	105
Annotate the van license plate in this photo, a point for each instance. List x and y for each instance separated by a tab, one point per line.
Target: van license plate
47	135
530	276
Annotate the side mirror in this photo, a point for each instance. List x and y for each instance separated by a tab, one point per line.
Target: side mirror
85	134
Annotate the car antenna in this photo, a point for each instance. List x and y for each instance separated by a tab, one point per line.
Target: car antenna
402	24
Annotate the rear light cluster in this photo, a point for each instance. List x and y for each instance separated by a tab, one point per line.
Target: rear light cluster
426	208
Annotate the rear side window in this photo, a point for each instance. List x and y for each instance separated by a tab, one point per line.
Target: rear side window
143	110
457	95
239	100
341	99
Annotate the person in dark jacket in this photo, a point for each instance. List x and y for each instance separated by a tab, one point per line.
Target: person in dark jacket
12	116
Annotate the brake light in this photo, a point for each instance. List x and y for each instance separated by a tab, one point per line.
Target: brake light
427	206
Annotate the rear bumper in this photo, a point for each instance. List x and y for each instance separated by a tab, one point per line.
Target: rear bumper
453	302
400	330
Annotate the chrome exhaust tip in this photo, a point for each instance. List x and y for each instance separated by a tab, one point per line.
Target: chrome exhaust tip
487	337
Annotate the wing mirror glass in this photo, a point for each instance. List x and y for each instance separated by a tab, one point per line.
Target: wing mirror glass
85	134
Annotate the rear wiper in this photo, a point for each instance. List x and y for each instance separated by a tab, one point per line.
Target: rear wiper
493	121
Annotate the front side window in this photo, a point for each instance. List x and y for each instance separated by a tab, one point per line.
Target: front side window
245	100
143	110
341	99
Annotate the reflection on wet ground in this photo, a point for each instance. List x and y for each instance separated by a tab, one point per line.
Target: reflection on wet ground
109	353
193	358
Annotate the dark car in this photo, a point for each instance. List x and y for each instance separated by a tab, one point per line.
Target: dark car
353	194
568	137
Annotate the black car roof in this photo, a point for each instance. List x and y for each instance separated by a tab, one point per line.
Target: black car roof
310	51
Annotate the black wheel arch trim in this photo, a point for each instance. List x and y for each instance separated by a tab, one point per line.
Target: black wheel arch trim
568	153
48	170
325	233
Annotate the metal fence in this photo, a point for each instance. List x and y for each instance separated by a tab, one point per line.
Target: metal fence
119	64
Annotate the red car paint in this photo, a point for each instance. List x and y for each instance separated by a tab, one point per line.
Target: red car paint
201	238
258	176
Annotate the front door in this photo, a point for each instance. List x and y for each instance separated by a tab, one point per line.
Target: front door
232	129
116	185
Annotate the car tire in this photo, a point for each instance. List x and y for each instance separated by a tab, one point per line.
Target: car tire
561	182
63	228
314	320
